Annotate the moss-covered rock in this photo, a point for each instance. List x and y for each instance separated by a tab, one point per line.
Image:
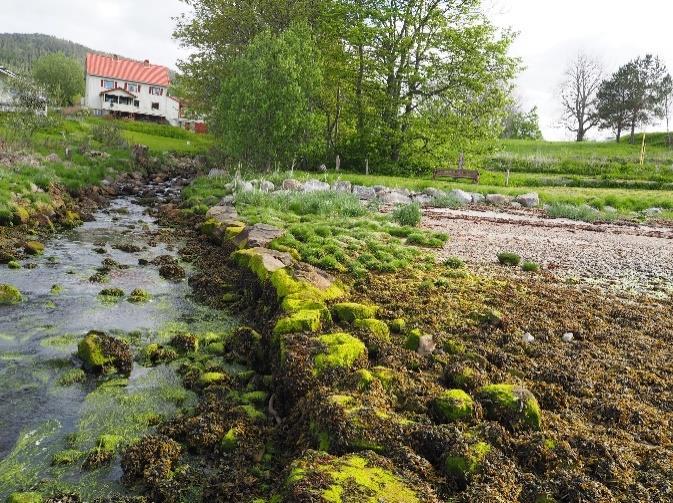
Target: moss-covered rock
512	405
398	325
341	351
466	461
363	478
33	248
452	405
185	343
376	328
306	320
138	296
155	354
348	312
101	353
230	440
25	498
9	295
210	378
102	454
112	293
13	264
413	341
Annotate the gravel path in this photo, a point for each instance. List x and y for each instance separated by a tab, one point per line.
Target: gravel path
622	257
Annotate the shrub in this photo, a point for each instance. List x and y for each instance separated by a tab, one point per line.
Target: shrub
573	212
446	201
509	258
108	134
427	240
408	214
531	267
454	263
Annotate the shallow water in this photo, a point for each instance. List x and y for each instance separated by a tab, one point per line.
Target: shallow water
39	337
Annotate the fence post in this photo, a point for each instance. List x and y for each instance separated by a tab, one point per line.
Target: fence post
367	167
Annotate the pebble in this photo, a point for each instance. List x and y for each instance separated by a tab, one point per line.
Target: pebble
568	337
528	338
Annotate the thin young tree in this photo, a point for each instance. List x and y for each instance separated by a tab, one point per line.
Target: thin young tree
667	105
579	91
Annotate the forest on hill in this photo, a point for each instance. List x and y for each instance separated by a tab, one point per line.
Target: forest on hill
19	51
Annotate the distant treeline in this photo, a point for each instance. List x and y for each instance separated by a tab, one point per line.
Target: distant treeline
18	51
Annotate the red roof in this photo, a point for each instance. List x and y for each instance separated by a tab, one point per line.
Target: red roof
113	67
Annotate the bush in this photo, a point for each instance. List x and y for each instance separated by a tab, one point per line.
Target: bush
509	258
454	263
108	134
408	214
446	201
531	267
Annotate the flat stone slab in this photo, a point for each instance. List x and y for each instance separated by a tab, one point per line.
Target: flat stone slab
258	235
225	215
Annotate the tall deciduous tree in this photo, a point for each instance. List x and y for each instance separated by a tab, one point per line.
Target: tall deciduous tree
268	106
521	125
61	76
579	95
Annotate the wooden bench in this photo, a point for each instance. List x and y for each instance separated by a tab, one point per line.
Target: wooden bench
457	174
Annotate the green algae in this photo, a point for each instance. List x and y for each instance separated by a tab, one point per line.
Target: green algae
511	404
307	320
467	463
230	440
89	350
67	457
72	376
34	248
413	341
348	312
13	264
31	497
453	405
9	295
376	328
341	351
211	378
398	325
139	296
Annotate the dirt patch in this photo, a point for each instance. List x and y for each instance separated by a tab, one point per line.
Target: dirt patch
636	258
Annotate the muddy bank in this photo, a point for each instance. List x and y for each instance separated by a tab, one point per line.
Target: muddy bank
627	258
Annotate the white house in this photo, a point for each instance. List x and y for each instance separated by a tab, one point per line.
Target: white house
6	96
128	88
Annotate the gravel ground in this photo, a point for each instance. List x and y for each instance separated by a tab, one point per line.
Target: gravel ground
631	258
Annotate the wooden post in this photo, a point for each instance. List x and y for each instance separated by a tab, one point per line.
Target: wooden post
507	179
642	151
367	167
338	162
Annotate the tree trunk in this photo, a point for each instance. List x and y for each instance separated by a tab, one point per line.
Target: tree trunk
632	139
619	133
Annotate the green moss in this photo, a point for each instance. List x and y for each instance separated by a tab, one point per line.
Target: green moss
210	378
376	328
215	348
56	289
348	312
90	352
253	413
109	443
365	379
284	283
25	498
115	293
413	340
34	248
230	440
138	296
13	264
354	478
453	405
468	463
308	320
257	397
341	351
454	347
385	375
71	377
67	457
511	404
530	267
398	326
9	295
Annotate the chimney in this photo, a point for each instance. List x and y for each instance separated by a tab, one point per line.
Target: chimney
115	57
147	62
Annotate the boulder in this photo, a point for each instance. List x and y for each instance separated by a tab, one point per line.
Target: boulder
262	261
342	186
316	186
225	215
433	192
530	200
102	354
9	295
652	212
452	405
461	196
423	199
245	186
477	198
292	185
394	197
266	186
497	199
364	193
511	405
258	235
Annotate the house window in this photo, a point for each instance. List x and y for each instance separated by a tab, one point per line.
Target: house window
108	84
156	91
133	88
125	100
111	98
155	106
136	103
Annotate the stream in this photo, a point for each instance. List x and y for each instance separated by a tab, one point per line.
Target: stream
39	415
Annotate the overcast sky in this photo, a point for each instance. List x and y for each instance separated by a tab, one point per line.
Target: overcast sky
551	33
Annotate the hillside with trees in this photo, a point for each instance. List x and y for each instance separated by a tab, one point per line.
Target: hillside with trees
19	51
